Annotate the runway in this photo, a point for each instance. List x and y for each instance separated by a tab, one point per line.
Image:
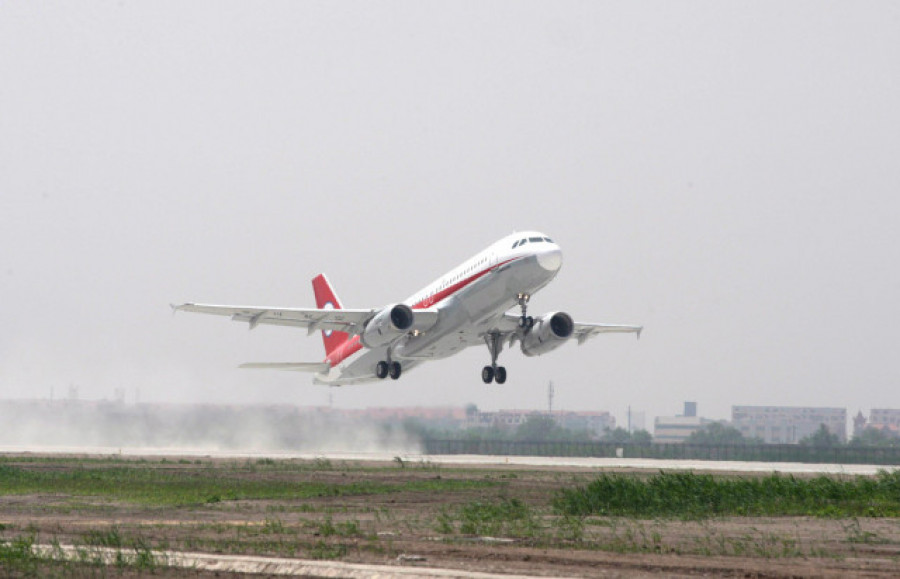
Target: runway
471	460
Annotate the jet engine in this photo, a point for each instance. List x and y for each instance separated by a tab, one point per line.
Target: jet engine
549	332
387	325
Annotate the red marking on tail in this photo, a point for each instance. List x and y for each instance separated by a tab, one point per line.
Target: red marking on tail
327	299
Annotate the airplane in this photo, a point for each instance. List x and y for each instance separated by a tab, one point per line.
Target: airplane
468	306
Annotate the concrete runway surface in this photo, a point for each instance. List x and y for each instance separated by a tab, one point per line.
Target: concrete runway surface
478	460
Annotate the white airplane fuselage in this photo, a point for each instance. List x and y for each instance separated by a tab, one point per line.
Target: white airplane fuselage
471	299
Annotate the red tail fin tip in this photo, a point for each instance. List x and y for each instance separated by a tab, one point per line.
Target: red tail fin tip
327	299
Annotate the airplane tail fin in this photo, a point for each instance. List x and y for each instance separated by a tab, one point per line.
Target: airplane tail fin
327	299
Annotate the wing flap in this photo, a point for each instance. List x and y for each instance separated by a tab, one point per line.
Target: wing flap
316	367
350	321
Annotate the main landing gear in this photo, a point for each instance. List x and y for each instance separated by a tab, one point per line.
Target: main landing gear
383	368
494	372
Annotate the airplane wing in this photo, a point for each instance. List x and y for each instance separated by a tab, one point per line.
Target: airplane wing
583	332
293	366
344	320
509	327
350	321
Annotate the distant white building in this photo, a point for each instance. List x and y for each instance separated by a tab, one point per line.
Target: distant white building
677	429
669	429
788	424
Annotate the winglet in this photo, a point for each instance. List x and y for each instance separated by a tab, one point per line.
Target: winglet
639	330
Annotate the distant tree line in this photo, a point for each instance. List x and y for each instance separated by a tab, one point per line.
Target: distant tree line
718	433
543	428
535	428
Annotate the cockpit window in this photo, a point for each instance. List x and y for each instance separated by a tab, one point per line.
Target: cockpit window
535	239
523	242
515	245
548	240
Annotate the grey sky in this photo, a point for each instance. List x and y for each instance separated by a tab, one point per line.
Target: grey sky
724	173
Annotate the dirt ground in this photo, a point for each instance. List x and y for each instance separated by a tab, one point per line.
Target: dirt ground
426	528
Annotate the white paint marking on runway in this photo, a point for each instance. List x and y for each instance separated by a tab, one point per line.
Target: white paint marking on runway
263	565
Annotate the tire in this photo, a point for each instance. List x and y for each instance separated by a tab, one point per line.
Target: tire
500	375
381	369
487	374
395	370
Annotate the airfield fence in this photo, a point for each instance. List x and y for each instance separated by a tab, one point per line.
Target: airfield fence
737	452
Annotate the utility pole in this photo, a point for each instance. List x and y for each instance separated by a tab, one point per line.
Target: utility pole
550	391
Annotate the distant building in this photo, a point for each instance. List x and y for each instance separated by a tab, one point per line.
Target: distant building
500	419
677	429
787	424
885	419
595	422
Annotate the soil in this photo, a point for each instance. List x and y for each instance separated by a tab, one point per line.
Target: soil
423	528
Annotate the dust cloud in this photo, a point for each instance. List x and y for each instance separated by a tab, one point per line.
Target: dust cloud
48	424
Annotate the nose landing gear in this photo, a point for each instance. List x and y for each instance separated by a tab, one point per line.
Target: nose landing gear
525	321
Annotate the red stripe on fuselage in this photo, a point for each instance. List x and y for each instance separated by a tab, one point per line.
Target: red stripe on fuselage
354	345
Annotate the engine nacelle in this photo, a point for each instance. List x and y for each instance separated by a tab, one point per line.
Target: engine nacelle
549	332
387	325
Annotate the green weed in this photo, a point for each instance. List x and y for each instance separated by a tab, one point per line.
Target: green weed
323	550
109	538
18	555
508	517
692	495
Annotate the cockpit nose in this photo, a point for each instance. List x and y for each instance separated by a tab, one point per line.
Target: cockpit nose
550	258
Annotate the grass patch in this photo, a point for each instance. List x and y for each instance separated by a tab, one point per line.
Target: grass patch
701	495
18	556
182	486
506	518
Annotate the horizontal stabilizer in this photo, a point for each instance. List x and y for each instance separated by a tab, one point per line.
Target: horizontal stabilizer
317	367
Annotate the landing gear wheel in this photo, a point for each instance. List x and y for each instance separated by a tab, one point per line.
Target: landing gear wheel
525	321
395	370
494	341
381	369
